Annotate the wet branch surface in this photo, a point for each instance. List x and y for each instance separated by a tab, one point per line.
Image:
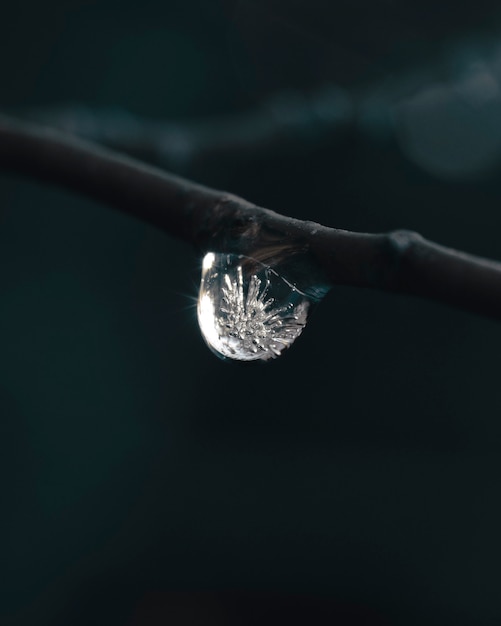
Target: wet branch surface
400	261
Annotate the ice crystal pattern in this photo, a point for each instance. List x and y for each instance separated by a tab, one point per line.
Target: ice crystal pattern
248	315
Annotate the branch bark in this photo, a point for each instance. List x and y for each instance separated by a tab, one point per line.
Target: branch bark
401	261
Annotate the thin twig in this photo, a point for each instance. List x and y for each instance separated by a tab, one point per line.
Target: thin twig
284	121
426	113
401	261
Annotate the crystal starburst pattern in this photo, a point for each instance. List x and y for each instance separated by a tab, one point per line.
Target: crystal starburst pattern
246	310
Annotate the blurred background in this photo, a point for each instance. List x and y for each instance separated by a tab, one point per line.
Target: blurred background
356	479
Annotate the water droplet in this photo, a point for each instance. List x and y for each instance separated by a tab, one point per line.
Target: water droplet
247	311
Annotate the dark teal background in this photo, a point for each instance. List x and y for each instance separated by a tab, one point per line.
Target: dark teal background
360	471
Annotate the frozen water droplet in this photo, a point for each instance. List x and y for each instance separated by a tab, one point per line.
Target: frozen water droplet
246	310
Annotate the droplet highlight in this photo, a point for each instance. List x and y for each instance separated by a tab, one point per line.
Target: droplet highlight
247	311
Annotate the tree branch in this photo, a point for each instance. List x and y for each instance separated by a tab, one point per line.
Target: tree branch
287	120
443	121
401	261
